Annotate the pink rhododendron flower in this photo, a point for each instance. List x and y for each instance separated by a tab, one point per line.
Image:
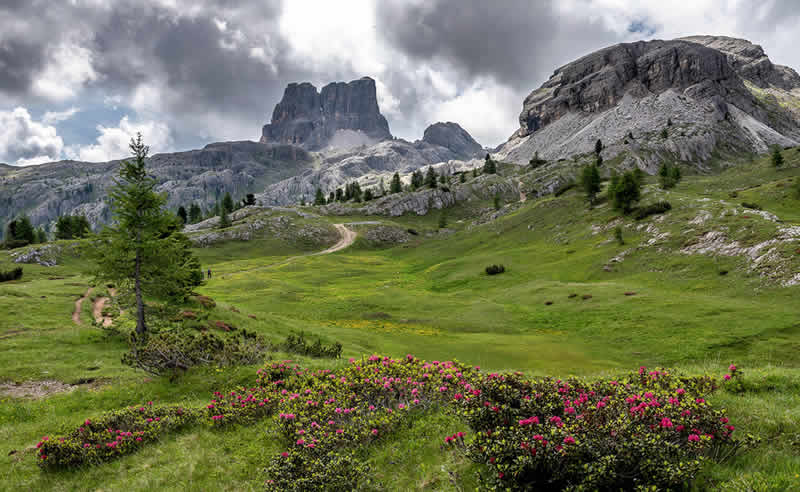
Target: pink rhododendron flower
569	440
694	438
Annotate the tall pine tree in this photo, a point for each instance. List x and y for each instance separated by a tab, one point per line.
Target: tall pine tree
143	251
396	186
430	178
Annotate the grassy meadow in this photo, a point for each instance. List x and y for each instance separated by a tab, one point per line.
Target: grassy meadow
563	307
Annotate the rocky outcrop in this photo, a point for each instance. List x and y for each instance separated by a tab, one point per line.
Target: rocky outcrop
312	119
750	62
686	100
368	165
451	136
203	176
422	201
279	223
600	80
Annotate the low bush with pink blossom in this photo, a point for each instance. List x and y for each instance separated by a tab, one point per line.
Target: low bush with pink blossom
642	431
113	435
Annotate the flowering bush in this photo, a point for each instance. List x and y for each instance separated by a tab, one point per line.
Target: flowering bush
647	429
325	415
112	435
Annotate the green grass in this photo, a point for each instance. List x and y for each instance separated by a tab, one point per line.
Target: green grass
431	298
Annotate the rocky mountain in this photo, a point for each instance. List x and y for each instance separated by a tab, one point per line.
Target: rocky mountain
312	119
442	143
342	124
451	136
708	93
71	187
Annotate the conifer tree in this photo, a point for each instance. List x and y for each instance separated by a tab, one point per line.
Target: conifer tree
195	213
319	197
627	192
183	215
224	219
417	180
489	166
777	157
590	182
396	186
143	250
227	202
249	200
598	146
430	178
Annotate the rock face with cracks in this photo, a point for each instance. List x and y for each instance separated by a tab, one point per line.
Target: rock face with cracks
682	99
311	119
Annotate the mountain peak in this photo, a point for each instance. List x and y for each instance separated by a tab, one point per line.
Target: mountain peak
722	93
452	136
311	118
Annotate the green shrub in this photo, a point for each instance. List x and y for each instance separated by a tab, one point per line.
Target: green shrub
495	269
652	209
14	274
752	206
175	350
113	435
297	344
618	235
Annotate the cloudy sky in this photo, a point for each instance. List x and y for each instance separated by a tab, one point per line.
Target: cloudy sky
78	77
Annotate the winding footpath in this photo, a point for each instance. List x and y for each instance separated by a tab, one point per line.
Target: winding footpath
346	238
76	314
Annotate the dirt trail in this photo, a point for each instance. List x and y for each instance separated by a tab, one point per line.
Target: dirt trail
76	315
347	238
99	305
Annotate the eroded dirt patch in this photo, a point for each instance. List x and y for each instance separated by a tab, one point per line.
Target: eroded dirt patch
42	389
34	389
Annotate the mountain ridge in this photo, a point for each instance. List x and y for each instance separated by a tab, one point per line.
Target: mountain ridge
626	94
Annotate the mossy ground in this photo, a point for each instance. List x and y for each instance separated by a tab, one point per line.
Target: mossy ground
430	297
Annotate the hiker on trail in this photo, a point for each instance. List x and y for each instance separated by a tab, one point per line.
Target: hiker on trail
209	273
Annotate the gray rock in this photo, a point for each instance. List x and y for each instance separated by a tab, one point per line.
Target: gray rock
422	201
639	89
310	119
47	191
451	136
368	165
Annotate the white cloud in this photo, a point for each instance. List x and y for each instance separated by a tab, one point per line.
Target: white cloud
69	68
25	141
486	111
113	141
53	117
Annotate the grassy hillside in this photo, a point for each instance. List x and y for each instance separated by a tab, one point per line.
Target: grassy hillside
707	284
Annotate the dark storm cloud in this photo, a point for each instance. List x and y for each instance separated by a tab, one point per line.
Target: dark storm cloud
197	67
517	42
19	62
